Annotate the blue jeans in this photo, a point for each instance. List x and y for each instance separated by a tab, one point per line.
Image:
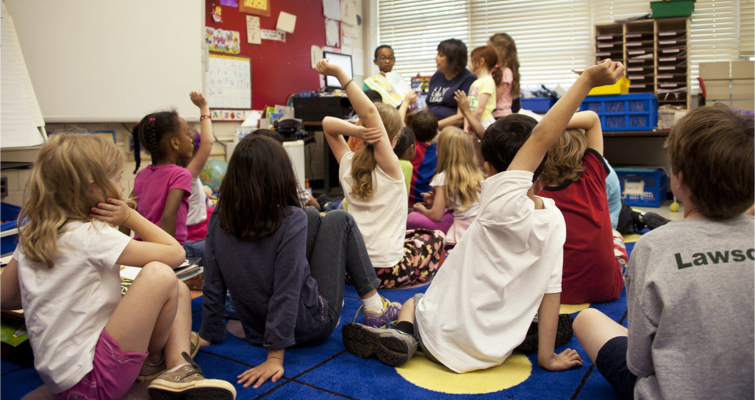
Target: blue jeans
334	246
194	249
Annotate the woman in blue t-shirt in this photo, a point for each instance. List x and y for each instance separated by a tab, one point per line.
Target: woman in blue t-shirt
452	75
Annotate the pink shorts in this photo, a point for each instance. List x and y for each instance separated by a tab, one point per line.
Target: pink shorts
112	375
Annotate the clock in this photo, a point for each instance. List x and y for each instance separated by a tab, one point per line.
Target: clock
257	7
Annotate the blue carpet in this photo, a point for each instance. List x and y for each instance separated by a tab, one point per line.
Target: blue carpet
328	371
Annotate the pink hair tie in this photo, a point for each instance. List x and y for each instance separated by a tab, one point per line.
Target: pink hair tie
137	124
495	66
151	120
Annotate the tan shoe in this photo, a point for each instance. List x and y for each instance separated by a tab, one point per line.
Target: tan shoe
151	371
188	382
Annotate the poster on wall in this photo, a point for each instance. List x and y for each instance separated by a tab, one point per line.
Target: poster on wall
222	41
332	33
257	7
229	82
253	35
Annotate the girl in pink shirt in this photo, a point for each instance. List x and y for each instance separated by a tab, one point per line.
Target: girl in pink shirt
162	189
508	61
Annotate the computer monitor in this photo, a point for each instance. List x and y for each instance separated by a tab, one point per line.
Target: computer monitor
344	60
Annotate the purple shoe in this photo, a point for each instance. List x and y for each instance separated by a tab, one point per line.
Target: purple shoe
384	317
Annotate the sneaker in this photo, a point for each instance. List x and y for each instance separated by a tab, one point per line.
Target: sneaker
152	371
188	382
564	334
653	220
384	317
391	346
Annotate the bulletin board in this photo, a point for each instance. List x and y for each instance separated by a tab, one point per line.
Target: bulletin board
229	82
280	68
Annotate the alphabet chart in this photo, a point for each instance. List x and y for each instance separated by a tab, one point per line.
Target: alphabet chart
229	82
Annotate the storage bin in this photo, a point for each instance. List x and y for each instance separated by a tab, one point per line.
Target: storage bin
620	87
643	186
624	112
9	229
669	9
538	105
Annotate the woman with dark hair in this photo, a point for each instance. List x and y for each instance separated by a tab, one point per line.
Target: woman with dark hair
452	75
284	267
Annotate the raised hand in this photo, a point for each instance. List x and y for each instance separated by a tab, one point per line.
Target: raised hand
198	98
326	68
606	73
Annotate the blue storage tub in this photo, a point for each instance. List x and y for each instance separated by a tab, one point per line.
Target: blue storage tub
9	239
643	186
538	105
624	112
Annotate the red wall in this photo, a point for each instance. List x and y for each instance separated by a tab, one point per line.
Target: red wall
278	69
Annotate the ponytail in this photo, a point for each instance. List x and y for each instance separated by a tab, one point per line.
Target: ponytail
364	162
137	147
497	75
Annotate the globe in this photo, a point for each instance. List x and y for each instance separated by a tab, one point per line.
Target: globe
212	174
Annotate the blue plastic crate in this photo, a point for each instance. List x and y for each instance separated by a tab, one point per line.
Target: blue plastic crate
538	105
643	186
624	112
9	212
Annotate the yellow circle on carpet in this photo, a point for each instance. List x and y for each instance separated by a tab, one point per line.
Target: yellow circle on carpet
572	308
431	376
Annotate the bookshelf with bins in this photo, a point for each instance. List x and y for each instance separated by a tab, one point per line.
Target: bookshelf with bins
655	53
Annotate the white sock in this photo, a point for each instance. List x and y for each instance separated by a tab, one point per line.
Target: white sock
176	368
374	303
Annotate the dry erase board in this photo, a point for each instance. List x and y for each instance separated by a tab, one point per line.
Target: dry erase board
229	82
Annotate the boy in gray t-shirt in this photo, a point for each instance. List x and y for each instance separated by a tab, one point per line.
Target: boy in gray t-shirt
690	283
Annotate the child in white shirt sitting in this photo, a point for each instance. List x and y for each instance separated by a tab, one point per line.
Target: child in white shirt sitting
508	266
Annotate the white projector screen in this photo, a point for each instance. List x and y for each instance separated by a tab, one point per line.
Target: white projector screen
111	61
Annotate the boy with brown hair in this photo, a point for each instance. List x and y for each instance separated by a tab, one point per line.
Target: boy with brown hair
506	269
424	124
690	282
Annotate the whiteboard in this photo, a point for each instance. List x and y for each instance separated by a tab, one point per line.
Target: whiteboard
111	61
229	82
21	122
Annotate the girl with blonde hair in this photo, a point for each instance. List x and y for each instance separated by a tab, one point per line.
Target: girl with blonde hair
456	185
374	186
88	341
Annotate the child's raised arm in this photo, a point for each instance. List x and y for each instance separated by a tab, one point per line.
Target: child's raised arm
553	124
205	135
590	122
156	244
368	113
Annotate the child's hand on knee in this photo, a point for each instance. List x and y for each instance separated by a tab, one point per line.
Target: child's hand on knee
115	212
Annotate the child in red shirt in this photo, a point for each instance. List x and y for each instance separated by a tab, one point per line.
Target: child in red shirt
575	178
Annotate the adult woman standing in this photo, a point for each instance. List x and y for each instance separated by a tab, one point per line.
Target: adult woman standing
452	75
508	92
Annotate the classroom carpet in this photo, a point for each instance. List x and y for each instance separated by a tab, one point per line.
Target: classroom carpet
330	372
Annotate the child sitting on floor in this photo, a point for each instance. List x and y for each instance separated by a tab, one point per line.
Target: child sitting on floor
690	282
88	341
405	150
425	127
162	190
480	305
456	187
374	186
284	266
575	178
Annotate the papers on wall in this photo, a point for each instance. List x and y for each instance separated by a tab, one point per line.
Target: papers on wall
222	41
229	82
349	12
357	59
331	9
269	34
253	35
21	122
332	34
348	30
286	22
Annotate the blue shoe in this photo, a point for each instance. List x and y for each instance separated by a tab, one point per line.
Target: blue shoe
381	318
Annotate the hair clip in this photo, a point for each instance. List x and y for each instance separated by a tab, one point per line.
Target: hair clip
495	66
134	172
137	124
151	120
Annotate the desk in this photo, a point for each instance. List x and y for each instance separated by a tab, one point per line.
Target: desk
329	162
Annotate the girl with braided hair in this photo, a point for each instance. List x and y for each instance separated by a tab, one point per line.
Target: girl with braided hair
162	189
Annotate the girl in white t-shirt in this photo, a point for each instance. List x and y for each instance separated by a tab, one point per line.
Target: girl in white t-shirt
88	341
374	186
456	184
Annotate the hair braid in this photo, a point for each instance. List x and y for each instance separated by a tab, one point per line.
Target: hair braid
137	147
153	142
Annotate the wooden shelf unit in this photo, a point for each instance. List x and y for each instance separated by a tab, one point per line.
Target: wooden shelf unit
655	53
